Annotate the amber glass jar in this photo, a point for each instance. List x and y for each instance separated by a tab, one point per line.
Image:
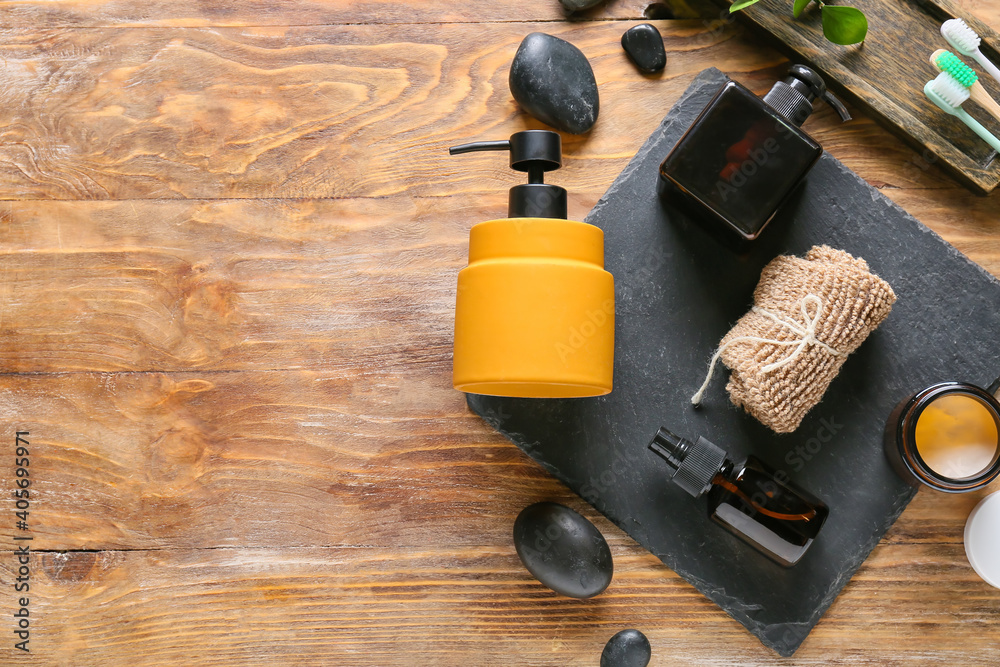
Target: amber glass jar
947	437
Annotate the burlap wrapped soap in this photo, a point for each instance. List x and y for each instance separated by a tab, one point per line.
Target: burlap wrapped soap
809	314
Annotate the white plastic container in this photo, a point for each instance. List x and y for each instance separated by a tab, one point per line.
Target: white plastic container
982	539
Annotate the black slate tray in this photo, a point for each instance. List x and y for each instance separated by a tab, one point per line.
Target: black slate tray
678	292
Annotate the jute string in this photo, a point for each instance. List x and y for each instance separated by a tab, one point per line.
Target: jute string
806	332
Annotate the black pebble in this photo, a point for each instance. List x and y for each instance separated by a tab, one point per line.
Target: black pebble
578	5
563	550
552	80
628	648
644	45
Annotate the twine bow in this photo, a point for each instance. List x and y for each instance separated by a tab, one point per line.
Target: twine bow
806	332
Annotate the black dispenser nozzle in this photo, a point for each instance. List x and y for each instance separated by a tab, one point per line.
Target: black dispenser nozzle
693	464
671	448
793	97
534	152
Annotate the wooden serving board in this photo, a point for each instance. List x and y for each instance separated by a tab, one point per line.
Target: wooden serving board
886	75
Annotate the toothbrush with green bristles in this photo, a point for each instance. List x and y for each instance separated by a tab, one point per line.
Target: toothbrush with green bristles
946	61
946	92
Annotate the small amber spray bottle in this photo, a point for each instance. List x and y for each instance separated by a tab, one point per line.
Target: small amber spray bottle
751	500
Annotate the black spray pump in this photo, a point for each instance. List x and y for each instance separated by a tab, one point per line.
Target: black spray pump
535	152
749	499
743	156
793	97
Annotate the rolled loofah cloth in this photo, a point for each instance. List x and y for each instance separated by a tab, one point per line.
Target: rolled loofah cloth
809	314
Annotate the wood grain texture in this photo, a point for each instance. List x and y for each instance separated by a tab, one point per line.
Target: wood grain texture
475	605
362	456
352	111
231	285
254	13
227	273
372	456
260	285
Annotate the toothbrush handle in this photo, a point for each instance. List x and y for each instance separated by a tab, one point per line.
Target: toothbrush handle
987	64
975	126
991	107
983	99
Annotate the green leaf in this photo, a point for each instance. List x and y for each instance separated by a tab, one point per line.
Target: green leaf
799	6
844	25
741	4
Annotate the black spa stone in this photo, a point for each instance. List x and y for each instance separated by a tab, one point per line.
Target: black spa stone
644	45
552	80
628	648
579	5
677	293
563	550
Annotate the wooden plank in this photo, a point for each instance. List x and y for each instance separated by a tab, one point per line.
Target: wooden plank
238	13
379	456
235	284
439	605
350	111
313	284
970	224
337	112
986	11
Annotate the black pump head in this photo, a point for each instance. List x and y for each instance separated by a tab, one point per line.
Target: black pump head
793	97
534	152
693	465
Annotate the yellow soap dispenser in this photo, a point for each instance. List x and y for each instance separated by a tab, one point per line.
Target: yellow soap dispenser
535	311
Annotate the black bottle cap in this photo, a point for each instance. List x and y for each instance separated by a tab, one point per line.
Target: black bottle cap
695	464
793	97
534	152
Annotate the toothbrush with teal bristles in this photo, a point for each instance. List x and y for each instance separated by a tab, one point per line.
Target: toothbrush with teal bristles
949	94
946	61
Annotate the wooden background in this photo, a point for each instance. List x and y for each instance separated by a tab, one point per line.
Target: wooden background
229	240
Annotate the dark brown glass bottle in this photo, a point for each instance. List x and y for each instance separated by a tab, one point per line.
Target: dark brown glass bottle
743	157
751	500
